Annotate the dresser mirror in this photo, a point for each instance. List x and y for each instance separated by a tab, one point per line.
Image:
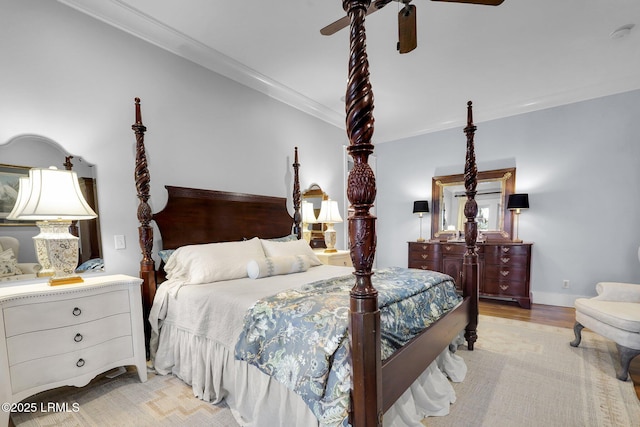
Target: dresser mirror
28	151
448	200
315	195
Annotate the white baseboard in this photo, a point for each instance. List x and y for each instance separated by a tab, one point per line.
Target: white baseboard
551	298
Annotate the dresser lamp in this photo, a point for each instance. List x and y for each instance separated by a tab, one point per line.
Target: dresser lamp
329	214
515	203
53	199
308	218
420	207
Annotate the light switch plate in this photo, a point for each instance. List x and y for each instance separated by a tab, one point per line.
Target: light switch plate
120	242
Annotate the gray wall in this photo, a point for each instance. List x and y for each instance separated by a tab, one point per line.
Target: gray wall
579	164
73	79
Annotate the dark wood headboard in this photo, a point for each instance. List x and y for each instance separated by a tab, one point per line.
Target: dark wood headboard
194	216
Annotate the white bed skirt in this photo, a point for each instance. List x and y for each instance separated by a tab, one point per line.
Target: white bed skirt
256	400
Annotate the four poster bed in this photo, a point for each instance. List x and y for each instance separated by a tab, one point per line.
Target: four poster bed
214	335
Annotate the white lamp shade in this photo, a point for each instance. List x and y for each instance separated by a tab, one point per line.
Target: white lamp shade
51	194
329	212
24	189
308	215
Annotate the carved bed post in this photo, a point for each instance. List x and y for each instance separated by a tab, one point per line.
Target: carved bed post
145	231
297	230
470	263
361	191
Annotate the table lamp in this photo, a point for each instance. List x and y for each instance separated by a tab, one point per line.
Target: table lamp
420	207
329	214
53	199
515	203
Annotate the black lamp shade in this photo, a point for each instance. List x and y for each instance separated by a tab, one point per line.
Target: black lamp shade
420	206
518	201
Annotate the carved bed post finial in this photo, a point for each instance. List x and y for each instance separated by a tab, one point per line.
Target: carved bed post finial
145	231
470	263
361	192
297	217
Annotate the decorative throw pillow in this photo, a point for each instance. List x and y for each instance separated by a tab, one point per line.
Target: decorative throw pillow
297	247
8	264
274	266
213	262
165	254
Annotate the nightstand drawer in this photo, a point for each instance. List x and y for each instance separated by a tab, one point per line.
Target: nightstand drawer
66	366
55	314
38	344
342	258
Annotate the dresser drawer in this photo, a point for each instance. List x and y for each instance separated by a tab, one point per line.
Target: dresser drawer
48	370
505	288
422	256
451	249
509	250
424	248
34	345
55	314
424	265
506	259
496	273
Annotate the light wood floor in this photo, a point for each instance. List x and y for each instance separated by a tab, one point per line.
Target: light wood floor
563	317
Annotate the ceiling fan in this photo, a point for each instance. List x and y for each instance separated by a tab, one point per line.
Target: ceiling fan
407	34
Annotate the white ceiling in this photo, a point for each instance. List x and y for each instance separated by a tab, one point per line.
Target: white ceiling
521	56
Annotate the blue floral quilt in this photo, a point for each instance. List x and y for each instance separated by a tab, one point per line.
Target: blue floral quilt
300	336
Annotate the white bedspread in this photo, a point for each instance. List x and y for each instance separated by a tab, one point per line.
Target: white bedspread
194	332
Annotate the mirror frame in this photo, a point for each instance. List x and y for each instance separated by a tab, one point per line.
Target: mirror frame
317	230
507	176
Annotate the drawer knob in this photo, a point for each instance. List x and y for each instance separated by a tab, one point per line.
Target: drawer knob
78	337
505	259
424	247
505	250
76	311
80	363
425	256
504	287
448	248
504	273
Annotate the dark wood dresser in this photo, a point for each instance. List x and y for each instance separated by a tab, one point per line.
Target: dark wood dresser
504	266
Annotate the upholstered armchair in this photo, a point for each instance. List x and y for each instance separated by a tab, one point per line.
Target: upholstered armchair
614	314
10	268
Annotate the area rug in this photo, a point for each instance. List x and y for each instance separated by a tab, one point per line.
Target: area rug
526	374
520	374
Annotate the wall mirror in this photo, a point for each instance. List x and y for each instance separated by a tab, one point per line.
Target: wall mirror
28	151
493	190
315	196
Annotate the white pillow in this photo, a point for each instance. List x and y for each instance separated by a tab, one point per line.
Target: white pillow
296	247
213	262
274	266
8	264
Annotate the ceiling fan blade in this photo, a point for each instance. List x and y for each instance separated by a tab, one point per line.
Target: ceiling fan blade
343	22
407	32
485	2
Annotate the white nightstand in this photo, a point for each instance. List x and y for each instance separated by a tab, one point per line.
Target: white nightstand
53	336
334	258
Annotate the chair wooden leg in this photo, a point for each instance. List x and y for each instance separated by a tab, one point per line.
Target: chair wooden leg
577	330
626	356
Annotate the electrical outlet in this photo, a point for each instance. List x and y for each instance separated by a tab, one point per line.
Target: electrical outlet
565	284
119	241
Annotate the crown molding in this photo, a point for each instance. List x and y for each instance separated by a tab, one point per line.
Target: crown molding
131	20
